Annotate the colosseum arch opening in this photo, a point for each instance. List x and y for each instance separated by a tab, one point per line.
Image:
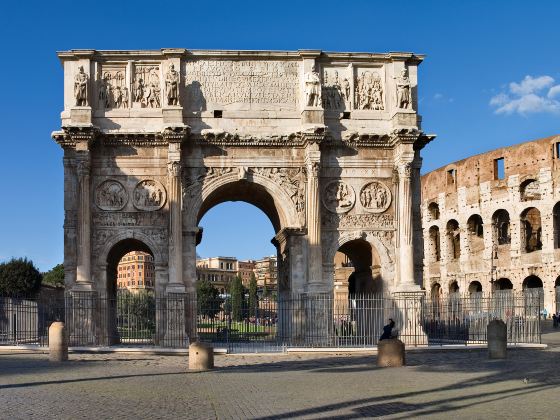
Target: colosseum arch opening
503	284
453	237
556	224
475	287
531	230
501	224
434	248
454	287
475	230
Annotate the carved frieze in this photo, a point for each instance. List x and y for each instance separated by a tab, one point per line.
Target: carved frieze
111	195
375	197
128	218
112	89
149	195
146	87
369	90
338	197
348	221
231	84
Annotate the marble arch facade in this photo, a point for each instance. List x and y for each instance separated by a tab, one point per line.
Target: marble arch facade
327	144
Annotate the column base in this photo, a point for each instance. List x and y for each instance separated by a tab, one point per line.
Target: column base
408	287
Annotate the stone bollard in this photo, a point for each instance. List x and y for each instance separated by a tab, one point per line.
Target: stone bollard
390	353
201	356
58	344
496	333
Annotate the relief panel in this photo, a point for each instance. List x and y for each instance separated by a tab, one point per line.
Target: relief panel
336	88
375	197
369	90
146	86
111	195
338	197
112	89
149	195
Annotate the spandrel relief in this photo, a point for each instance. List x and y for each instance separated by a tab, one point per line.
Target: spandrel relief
338	197
111	195
112	90
369	91
336	89
242	85
149	195
375	197
146	87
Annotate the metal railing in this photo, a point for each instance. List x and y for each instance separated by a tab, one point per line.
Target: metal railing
304	320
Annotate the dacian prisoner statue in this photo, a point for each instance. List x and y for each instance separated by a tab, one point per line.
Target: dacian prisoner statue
152	140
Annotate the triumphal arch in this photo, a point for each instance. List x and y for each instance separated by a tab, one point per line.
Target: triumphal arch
326	144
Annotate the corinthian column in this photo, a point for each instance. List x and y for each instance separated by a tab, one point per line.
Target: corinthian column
175	227
83	275
313	213
406	248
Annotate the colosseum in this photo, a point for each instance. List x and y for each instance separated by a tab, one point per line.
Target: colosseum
492	222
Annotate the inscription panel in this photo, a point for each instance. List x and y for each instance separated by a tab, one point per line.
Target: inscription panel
240	85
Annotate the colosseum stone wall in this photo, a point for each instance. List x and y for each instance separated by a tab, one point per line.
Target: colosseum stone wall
492	222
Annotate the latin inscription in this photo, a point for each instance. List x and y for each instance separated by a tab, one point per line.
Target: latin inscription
233	83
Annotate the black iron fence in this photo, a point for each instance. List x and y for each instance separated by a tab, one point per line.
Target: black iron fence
291	321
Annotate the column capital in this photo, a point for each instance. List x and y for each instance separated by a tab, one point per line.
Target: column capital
174	168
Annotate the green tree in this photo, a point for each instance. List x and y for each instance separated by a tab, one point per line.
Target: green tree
208	299
265	292
253	298
54	277
137	313
236	297
19	277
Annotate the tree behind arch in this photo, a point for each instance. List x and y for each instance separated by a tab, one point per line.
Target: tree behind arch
19	277
253	298
237	297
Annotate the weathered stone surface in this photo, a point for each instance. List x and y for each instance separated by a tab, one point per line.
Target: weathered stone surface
484	230
201	356
390	353
326	144
58	342
496	332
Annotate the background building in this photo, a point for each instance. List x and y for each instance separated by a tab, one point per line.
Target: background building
245	270
135	271
220	271
266	271
492	222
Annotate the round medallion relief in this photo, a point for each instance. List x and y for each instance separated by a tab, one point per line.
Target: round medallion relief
338	197
111	195
149	195
375	197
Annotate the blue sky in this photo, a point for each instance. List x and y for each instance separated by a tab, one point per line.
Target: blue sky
489	80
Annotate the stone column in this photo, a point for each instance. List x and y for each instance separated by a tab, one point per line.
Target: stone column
70	218
175	136
83	274
313	214
405	223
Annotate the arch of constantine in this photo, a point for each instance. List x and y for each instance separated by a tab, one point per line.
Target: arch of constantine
492	222
327	145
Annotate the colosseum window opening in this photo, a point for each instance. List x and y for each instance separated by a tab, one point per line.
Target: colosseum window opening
453	287
476	233
453	239
433	210
500	221
530	190
451	176
531	230
434	245
499	168
556	150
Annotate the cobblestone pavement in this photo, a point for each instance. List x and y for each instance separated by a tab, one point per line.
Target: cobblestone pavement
435	384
